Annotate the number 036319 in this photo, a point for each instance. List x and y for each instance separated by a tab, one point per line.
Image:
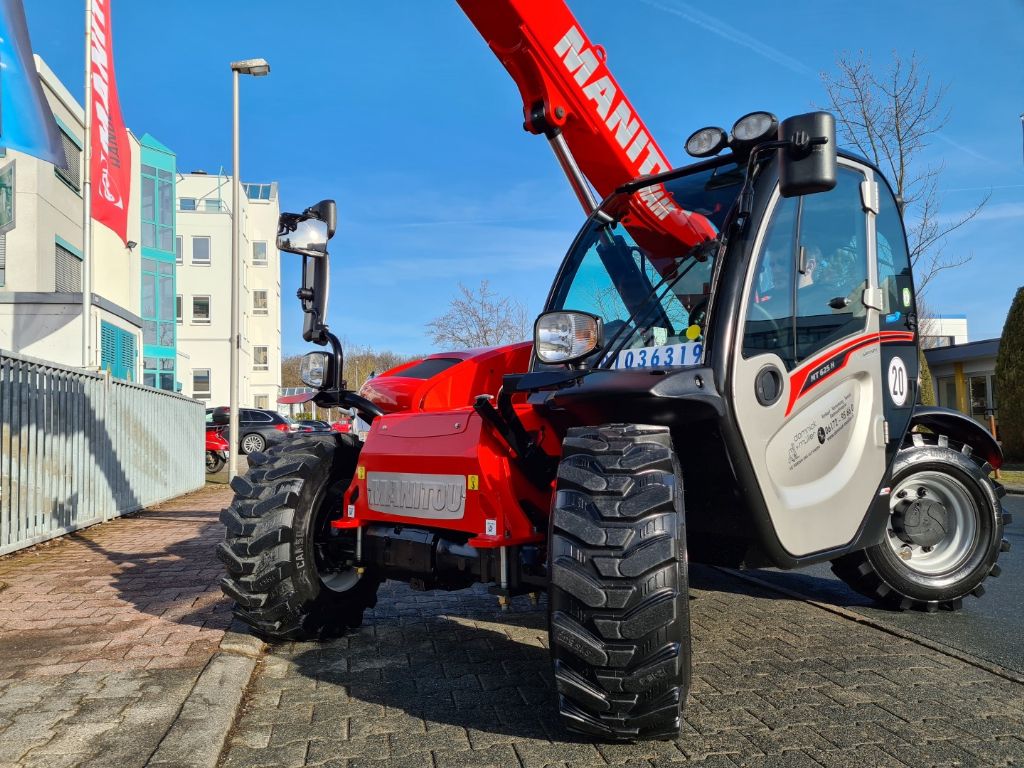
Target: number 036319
666	356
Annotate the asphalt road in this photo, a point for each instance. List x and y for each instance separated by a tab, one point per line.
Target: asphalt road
990	627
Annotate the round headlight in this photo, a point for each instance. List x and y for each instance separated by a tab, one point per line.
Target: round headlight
706	142
562	337
755	127
313	369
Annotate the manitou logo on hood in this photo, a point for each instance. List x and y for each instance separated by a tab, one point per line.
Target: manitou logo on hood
617	115
111	155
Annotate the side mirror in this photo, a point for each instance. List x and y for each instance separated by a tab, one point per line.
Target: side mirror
808	163
327	212
307	234
301	235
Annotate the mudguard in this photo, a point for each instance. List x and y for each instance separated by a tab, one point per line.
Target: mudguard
960	427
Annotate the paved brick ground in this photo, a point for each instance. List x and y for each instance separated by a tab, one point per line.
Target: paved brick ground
438	680
103	633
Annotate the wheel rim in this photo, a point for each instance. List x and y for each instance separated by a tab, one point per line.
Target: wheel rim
252	443
323	536
962	517
211	461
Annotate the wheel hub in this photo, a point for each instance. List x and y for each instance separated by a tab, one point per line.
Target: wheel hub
921	521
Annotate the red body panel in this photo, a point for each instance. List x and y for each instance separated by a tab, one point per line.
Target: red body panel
456	444
479	373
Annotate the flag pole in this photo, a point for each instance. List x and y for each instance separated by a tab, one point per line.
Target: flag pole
87	358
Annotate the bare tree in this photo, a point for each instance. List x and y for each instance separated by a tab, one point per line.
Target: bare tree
480	318
361	362
890	118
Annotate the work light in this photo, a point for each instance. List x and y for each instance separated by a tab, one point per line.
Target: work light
706	142
753	128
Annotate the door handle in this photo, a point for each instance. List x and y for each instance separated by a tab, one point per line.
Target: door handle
839	302
768	385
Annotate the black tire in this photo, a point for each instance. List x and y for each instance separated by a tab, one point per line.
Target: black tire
273	550
257	443
618	598
879	573
214	462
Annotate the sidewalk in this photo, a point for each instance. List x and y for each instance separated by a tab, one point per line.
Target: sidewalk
104	633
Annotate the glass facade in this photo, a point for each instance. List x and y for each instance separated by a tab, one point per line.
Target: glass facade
160	253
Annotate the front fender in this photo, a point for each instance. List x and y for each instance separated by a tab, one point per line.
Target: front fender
960	427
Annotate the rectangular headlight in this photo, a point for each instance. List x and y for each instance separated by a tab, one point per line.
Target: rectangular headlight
564	337
313	369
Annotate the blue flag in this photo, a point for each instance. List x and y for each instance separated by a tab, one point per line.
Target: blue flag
26	122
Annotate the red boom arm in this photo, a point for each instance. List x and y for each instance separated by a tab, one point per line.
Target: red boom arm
569	92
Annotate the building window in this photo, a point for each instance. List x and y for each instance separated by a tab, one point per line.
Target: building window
262	402
67	270
211	204
72	175
200	310
178	257
117	351
260	359
177	309
186	203
201	250
158	372
257	191
158	305
259	254
259	303
157	208
201	383
946	390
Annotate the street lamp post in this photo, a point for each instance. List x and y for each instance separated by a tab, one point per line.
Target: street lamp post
257	68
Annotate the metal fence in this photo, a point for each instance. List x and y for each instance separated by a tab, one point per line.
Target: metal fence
79	448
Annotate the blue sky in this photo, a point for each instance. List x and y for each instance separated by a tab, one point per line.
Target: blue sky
400	112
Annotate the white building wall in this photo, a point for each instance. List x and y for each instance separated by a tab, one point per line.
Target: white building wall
47	207
206	346
943	330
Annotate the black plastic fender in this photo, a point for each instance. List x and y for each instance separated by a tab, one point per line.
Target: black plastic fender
960	427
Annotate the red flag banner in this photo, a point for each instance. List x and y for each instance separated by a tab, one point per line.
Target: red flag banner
111	166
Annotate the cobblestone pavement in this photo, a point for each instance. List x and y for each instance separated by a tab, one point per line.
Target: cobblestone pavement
436	680
104	632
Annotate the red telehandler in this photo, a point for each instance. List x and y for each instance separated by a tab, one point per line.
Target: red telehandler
746	323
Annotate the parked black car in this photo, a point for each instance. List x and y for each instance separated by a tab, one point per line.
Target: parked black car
313	425
258	428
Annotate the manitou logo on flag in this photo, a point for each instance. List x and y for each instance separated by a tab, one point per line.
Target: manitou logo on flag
111	155
617	116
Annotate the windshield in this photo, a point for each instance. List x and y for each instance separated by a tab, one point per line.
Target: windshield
651	293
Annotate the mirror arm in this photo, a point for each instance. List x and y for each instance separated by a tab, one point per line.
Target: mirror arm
800	145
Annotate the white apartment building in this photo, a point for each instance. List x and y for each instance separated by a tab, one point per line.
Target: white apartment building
41	255
203	250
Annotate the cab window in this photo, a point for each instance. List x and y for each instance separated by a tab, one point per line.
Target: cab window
894	275
810	274
832	266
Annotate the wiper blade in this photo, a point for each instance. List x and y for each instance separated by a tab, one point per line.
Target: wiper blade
697	255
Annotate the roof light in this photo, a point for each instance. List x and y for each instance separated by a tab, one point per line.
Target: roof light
753	128
706	142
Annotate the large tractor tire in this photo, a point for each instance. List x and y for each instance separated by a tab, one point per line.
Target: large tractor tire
944	535
618	598
291	575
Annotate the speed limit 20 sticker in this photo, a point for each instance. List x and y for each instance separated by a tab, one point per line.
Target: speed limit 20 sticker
898	385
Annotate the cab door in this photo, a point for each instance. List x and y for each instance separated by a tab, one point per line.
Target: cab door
806	381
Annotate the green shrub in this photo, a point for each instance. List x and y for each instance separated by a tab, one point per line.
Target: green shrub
1010	381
